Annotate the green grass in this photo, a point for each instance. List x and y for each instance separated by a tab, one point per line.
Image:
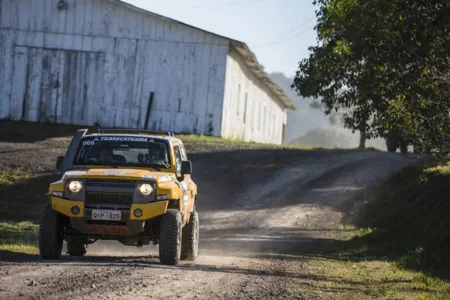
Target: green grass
203	139
11	177
18	237
340	279
196	139
443	169
406	219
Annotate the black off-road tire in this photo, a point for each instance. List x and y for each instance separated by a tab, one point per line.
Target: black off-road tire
170	237
189	248
76	246
50	234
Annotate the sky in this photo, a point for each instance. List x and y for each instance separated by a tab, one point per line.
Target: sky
279	32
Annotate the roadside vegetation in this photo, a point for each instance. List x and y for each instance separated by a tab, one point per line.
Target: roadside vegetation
406	220
18	231
326	278
18	238
11	177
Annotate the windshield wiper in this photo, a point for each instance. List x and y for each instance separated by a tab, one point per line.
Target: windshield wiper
113	166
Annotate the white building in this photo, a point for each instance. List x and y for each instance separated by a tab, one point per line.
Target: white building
89	62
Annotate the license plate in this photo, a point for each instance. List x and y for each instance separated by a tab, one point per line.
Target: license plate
106	215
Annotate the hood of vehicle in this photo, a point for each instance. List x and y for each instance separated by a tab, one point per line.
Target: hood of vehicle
128	174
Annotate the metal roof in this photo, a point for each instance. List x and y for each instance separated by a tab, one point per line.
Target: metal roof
243	50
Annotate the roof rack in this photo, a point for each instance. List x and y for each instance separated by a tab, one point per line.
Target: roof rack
134	131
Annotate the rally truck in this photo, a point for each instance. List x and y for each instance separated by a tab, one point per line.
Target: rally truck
134	187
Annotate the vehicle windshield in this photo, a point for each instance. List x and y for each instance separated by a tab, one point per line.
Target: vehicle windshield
123	150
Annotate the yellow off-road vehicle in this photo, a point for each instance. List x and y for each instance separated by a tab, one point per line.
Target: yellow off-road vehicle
134	187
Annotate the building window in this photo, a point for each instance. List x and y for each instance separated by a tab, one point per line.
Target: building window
245	107
238	99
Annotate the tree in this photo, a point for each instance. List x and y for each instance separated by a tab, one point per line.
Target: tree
381	60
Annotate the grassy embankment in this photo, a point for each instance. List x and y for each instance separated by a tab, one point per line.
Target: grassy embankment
16	236
407	218
402	250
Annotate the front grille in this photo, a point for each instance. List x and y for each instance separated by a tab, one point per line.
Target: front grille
105	200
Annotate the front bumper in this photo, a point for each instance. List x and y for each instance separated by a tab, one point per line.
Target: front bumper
149	210
128	225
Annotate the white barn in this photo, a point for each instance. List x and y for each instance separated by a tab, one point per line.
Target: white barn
109	63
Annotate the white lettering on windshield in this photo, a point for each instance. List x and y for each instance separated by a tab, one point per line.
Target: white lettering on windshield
123	139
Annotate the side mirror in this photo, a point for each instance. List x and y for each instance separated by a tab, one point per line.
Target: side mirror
186	167
59	162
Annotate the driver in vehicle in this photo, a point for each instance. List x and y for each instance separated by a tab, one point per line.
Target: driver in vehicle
156	153
106	155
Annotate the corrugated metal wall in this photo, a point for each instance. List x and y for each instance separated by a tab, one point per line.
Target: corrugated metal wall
99	61
251	112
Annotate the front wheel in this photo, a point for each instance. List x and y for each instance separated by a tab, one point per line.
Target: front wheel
170	238
189	249
50	234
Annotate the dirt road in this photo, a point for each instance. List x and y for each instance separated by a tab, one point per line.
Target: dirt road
264	215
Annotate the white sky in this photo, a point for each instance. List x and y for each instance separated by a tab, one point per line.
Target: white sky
278	31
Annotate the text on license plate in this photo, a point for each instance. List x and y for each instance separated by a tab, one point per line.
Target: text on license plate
108	215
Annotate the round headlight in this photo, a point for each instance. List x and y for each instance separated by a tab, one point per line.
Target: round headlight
146	189
75	186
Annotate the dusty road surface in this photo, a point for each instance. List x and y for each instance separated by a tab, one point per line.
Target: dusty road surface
264	214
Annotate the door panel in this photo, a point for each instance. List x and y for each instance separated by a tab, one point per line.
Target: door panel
82	87
57	86
19	83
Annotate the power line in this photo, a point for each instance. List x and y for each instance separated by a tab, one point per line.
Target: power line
280	39
297	27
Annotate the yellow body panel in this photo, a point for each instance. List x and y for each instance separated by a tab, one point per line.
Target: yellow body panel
169	188
149	210
64	207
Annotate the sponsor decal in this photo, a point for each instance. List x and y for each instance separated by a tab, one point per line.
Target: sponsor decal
123	139
71	174
164	178
117	172
113	172
96	140
110	230
184	188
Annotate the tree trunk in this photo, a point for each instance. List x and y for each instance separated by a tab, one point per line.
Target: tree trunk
362	139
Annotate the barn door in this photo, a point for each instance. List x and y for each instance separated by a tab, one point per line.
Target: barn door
19	91
57	86
82	88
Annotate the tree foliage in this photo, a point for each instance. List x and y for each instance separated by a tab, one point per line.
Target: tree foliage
386	63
